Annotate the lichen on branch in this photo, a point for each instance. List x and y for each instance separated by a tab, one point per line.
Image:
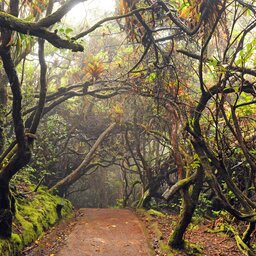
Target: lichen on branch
34	29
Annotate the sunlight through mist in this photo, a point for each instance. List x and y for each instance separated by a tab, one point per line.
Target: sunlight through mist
91	11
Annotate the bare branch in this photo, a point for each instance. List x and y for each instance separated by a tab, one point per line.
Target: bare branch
56	16
98	24
43	88
233	68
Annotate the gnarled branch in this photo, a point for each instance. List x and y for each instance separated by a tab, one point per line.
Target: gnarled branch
30	28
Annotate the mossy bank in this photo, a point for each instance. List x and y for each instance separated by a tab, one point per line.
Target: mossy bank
35	213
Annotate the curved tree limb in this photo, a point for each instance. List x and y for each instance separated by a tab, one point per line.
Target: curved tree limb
141	58
179	23
23	154
58	15
30	28
243	70
78	172
98	24
43	88
168	193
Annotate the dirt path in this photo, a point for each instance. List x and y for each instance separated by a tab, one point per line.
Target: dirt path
103	232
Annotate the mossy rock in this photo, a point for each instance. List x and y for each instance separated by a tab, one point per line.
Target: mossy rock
33	216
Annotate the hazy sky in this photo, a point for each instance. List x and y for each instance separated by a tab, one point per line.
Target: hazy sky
93	10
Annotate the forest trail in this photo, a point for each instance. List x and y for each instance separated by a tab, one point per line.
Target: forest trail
102	232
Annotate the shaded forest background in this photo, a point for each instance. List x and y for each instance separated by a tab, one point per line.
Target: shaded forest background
149	105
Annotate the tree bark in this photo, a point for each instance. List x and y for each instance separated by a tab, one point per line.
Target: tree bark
190	199
3	103
5	208
79	171
189	205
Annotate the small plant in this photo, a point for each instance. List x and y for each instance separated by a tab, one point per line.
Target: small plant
119	203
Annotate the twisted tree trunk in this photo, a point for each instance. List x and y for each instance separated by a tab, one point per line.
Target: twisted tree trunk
80	170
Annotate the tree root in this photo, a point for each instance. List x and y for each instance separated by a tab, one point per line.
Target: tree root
243	247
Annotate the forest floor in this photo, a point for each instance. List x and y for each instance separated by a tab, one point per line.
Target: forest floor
203	240
104	232
116	232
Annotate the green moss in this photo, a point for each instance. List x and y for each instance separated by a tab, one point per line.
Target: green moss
150	216
33	217
5	247
220	229
193	226
193	249
197	220
155	228
156	213
17	241
143	198
163	247
27	229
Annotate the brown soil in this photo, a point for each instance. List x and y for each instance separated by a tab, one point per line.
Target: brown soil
103	232
212	244
116	232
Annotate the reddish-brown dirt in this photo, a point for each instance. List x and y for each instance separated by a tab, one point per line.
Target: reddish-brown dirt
116	232
103	232
212	244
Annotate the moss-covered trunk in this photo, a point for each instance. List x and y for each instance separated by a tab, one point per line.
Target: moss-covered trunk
190	201
190	198
176	239
5	209
3	102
